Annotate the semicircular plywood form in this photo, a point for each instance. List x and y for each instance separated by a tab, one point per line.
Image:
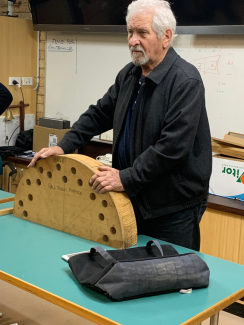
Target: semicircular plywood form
56	193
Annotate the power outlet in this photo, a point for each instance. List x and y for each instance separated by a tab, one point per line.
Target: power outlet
27	81
11	79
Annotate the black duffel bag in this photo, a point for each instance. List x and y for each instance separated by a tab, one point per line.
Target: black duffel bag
139	272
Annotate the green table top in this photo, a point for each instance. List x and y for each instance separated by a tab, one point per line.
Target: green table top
32	253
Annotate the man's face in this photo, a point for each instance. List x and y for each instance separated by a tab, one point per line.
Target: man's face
143	42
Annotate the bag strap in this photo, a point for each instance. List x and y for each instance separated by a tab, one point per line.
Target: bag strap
149	244
104	254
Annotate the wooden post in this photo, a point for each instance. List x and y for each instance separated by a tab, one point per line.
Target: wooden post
21	107
22	115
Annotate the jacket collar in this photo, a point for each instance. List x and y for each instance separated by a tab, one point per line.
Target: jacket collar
161	69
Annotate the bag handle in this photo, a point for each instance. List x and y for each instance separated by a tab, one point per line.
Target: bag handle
149	244
104	254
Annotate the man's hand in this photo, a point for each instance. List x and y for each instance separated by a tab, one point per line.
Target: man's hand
44	153
107	179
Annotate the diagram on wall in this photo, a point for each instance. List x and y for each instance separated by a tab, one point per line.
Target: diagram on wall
208	64
81	67
219	61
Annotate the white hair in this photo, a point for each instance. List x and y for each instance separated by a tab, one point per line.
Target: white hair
163	15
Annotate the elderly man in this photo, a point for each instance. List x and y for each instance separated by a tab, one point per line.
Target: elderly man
161	142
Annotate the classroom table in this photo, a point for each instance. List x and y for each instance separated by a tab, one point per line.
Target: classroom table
30	258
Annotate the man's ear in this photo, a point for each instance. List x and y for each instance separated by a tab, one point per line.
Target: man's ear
167	38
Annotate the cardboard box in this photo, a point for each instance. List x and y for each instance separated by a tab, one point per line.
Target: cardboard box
46	137
227	178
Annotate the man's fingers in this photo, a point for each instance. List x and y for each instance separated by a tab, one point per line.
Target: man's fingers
46	152
37	157
97	183
92	179
100	186
104	168
34	160
105	189
95	176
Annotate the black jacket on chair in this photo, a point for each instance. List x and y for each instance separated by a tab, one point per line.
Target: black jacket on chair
5	98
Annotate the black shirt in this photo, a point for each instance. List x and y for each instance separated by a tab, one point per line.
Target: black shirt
124	141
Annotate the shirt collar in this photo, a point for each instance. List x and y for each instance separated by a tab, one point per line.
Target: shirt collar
161	69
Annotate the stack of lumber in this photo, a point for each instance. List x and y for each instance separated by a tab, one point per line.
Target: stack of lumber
232	146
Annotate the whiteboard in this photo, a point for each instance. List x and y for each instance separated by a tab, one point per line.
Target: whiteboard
81	67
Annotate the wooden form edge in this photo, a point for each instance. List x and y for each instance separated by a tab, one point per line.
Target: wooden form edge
8	199
215	308
93	165
56	300
3	212
127	242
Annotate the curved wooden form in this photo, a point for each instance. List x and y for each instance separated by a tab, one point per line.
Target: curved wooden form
56	193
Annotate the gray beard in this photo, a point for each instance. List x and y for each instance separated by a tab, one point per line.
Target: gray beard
138	59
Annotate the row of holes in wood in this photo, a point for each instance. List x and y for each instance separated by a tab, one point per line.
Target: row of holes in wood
92	195
64	178
100	215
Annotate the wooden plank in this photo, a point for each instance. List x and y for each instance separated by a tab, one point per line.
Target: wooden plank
234	139
238	135
227	158
227	150
3	212
8	199
229	142
56	300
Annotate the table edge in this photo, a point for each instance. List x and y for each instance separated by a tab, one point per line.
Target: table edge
56	300
215	308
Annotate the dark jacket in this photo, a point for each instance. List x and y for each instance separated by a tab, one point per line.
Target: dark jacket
170	142
5	98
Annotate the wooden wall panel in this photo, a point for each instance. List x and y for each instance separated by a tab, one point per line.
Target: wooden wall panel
18	57
221	234
241	246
